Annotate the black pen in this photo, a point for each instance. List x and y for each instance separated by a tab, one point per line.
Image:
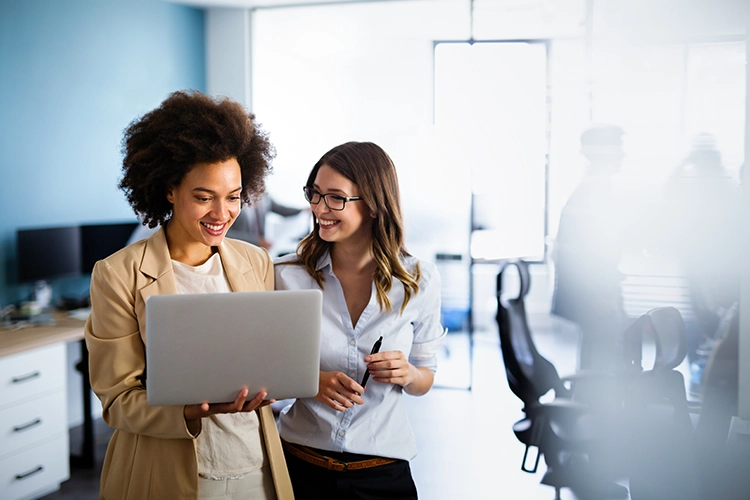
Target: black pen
375	348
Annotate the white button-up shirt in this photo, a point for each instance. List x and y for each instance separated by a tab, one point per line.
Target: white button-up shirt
379	426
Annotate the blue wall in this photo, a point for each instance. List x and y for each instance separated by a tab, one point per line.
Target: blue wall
73	75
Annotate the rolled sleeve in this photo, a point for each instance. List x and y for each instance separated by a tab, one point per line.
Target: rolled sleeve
424	354
428	332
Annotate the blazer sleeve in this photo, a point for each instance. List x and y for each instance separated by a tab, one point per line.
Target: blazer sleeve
117	362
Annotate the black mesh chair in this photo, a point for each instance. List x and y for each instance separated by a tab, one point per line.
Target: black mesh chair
659	442
567	429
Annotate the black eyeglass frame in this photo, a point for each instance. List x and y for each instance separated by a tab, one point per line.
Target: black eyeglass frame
310	196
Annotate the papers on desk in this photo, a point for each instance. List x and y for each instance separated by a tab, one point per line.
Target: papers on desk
82	313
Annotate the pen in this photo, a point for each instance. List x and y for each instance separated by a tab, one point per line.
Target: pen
375	348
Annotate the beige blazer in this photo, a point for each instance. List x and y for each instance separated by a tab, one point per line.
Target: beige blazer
152	452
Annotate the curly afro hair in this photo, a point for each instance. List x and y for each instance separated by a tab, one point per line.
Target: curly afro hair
188	128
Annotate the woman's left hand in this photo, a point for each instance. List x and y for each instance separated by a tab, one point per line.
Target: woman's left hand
391	367
196	411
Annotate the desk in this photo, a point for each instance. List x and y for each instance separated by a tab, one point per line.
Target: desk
64	329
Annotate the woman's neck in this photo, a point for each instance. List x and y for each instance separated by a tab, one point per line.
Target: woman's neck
353	258
192	254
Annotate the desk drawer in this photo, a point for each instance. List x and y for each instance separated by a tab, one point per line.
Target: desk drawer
30	373
35	471
32	422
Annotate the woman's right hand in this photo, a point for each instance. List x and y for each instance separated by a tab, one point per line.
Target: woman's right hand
338	391
193	412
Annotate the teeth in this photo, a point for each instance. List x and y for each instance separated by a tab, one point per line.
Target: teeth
213	227
326	222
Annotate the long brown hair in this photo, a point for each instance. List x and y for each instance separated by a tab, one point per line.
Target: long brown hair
372	170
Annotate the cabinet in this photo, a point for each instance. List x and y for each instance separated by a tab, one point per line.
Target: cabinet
34	448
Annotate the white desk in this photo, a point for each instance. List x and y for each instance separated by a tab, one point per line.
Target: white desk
34	443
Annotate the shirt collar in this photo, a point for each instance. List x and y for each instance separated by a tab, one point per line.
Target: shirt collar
324	261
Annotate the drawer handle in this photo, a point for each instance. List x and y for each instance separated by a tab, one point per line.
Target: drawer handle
26	378
30	473
27	426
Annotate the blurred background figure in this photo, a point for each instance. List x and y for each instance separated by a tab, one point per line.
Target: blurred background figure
250	226
587	252
700	233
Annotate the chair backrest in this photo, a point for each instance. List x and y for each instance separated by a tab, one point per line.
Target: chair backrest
670	337
529	374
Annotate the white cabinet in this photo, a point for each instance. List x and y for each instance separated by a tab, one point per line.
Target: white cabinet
34	448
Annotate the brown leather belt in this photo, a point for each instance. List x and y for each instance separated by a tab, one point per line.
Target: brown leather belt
315	458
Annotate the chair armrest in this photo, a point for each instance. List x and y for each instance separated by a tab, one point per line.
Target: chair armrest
588	375
594	388
565	405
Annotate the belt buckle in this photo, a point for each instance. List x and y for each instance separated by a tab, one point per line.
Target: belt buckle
337	465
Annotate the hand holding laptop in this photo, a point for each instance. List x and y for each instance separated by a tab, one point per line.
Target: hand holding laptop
194	412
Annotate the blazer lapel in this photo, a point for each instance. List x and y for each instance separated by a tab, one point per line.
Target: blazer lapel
237	267
156	265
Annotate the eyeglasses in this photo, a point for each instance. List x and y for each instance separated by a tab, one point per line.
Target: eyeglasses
332	201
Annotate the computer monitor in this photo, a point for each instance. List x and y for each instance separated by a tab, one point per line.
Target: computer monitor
99	241
48	253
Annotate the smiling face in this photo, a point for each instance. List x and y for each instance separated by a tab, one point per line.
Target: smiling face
204	206
352	224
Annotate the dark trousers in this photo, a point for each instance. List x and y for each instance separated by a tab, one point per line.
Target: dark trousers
312	482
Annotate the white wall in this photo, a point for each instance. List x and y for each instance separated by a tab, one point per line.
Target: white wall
228	56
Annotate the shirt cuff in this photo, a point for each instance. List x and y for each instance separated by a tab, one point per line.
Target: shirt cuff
423	354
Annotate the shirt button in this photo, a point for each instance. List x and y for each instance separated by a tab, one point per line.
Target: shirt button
351	374
341	433
351	342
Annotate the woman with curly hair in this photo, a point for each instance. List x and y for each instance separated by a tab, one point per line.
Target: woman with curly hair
188	166
353	439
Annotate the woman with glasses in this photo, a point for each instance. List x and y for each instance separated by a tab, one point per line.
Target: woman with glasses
353	439
188	165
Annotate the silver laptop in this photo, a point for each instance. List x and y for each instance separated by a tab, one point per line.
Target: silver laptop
207	347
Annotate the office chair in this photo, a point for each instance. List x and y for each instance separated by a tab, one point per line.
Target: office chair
563	430
659	439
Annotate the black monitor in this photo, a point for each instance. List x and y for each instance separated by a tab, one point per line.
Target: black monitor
48	253
99	241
